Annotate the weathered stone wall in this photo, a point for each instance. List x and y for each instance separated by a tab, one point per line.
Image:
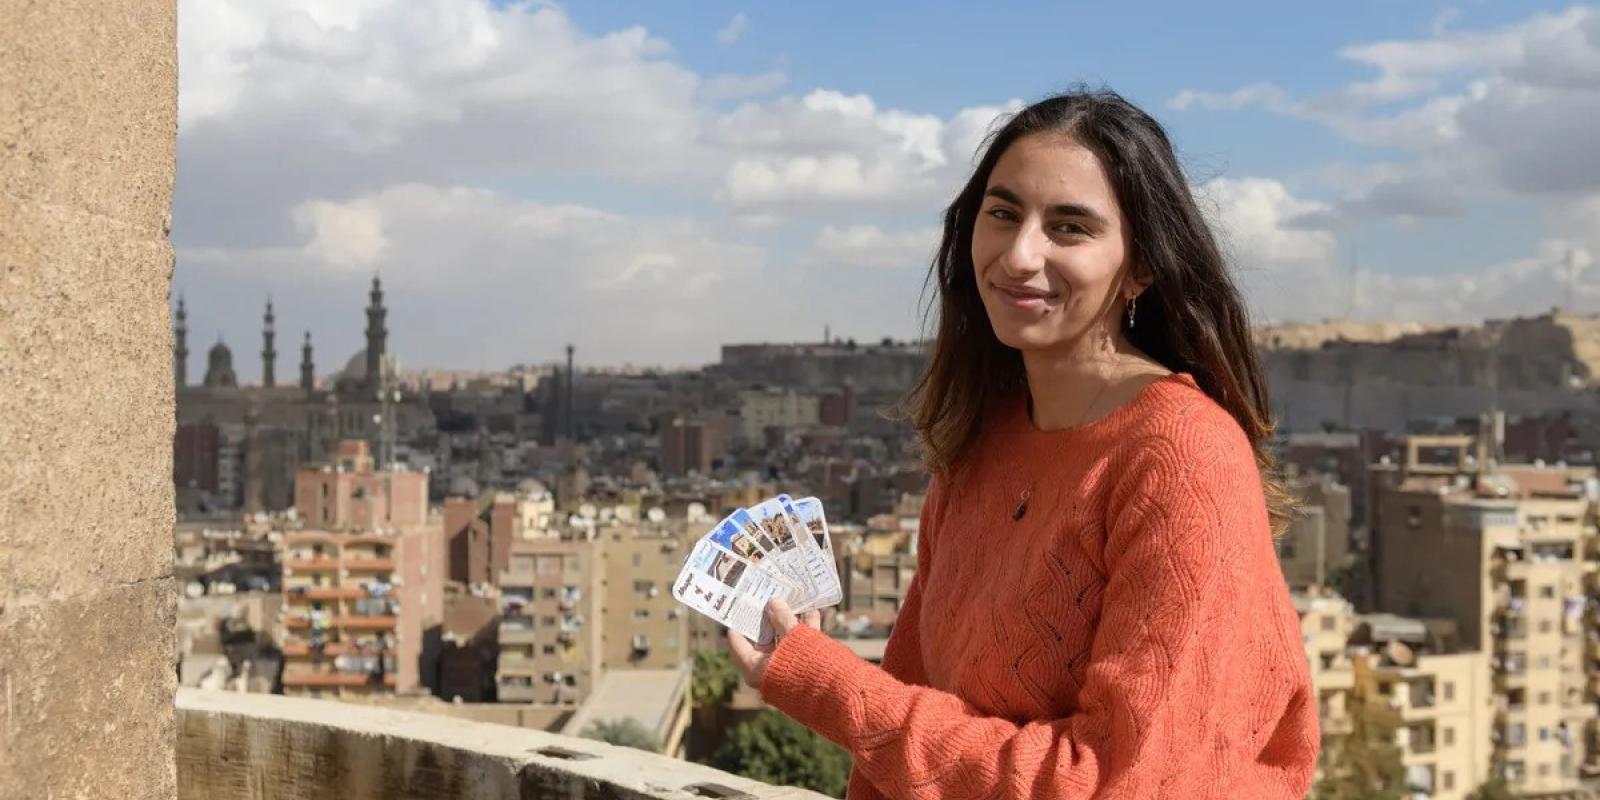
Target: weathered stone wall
235	746
88	123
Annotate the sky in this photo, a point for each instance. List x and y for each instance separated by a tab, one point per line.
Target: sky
649	181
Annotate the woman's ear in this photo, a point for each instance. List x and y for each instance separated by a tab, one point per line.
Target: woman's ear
1139	279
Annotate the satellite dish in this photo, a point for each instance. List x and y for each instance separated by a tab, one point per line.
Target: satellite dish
655	515
625	513
586	510
696	512
605	514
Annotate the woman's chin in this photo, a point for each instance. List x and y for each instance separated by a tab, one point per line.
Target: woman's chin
1030	337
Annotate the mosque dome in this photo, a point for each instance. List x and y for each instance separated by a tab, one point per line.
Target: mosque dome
219	367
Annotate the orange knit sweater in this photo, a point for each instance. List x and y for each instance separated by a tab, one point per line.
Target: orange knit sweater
1129	636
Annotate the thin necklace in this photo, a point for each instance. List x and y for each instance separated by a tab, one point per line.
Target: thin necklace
1027	494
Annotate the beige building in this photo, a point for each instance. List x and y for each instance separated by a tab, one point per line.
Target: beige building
776	408
1441	694
589	601
1318	540
1508	555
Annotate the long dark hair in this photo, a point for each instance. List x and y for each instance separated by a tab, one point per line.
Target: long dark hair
1191	318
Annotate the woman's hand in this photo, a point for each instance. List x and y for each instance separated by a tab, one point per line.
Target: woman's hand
752	658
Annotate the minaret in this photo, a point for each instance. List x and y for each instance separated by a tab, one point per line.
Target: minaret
269	355
308	373
376	336
180	349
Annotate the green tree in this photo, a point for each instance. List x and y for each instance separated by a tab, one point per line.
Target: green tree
715	678
771	747
1493	789
1363	763
624	732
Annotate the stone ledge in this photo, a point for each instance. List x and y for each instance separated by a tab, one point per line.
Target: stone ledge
247	746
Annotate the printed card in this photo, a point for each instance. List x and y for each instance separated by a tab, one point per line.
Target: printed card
790	554
815	523
820	567
729	589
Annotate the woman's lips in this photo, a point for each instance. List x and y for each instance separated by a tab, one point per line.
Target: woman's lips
1023	297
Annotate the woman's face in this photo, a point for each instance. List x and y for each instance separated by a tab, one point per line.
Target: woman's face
1050	245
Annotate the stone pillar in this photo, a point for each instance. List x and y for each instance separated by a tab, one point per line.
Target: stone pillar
88	127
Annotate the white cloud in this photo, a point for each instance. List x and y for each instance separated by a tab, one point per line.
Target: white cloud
872	247
1289	272
1509	111
506	274
735	28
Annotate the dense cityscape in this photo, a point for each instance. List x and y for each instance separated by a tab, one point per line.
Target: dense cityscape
499	546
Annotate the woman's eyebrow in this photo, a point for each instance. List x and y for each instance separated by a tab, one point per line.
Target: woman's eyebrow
1059	209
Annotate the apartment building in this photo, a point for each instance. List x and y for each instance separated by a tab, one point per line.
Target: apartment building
349	494
550	624
1507	553
585	600
1440	693
644	627
1317	542
363	581
357	611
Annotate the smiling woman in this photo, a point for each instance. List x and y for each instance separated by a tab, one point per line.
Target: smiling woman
1132	635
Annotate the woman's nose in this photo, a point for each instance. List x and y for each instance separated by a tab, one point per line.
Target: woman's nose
1025	253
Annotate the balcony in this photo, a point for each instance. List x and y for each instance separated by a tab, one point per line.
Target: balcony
303	649
325	593
325	679
366	623
369	564
310	565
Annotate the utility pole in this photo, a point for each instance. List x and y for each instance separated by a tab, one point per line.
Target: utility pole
571	377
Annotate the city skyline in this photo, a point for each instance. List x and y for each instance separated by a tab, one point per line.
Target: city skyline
528	175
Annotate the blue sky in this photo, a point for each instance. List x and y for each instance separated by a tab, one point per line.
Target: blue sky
608	173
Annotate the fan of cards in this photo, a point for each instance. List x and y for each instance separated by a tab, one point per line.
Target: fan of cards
778	549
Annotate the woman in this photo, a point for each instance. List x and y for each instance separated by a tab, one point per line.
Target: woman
1098	610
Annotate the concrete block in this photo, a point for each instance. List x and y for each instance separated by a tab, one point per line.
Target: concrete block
88	107
86	688
86	418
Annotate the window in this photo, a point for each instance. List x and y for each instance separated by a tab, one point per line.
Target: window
1449	691
548	622
549	649
1547	591
1543	662
570	564
1544	698
638	559
1447	781
1448	737
547	593
1328	623
1545	626
1544	736
548	565
641	613
1544	770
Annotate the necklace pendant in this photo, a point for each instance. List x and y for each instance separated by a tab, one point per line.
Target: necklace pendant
1022	508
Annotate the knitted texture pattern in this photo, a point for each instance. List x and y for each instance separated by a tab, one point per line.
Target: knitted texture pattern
1129	635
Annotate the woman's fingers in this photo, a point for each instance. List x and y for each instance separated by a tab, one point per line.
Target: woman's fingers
782	619
812	618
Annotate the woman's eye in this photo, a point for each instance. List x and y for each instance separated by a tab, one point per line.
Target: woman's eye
1001	213
1071	229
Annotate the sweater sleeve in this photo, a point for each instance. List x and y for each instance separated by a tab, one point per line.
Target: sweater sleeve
1154	690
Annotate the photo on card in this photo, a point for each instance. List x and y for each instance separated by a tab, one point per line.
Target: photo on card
816	524
769	516
728	568
728	534
753	529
